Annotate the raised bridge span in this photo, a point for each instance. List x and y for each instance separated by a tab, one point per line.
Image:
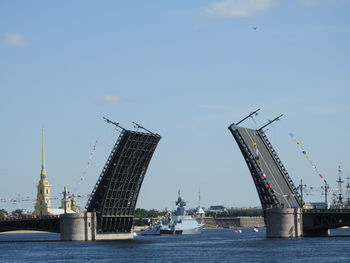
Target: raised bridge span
282	204
273	183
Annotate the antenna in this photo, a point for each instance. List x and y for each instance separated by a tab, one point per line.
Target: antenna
275	119
141	127
114	123
199	198
251	114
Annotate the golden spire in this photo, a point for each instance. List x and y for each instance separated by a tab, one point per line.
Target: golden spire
43	171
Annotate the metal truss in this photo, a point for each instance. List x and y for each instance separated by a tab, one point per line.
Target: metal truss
116	191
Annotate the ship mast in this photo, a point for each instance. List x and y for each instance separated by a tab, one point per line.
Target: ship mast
348	190
340	186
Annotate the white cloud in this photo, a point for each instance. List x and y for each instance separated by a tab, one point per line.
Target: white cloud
14	40
109	99
238	8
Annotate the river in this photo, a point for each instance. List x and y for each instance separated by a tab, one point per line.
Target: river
215	245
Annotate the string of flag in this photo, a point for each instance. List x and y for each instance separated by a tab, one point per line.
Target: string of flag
29	199
92	153
306	155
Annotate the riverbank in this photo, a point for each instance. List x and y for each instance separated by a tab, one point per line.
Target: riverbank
23	232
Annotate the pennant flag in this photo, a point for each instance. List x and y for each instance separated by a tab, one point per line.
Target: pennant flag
303	151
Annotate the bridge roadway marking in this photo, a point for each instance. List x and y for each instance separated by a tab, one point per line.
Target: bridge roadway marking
270	169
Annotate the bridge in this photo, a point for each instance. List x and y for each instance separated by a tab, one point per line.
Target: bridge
45	223
282	203
111	206
116	191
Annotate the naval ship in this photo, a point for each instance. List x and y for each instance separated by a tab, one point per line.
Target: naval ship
177	223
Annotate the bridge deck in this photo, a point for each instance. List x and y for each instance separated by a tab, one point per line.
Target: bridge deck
270	168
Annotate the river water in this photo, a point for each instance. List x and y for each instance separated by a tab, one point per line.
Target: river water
217	245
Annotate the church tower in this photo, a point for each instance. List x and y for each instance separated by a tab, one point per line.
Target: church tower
43	202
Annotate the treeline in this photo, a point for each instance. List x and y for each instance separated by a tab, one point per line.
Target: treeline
143	213
153	213
237	212
15	213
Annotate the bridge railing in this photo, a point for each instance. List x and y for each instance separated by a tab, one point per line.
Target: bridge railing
280	166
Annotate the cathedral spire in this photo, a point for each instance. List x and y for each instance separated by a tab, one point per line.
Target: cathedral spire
43	170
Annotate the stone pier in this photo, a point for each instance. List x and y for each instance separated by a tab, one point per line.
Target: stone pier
284	222
82	227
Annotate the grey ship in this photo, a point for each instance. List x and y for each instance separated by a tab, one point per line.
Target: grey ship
177	223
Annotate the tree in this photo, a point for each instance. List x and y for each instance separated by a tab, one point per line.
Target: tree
3	213
18	213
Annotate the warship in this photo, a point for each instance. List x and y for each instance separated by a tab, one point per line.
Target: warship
177	223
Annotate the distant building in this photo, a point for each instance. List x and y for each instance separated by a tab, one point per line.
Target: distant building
74	204
69	204
199	211
43	202
217	209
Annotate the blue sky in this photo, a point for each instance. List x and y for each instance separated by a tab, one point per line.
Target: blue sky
183	69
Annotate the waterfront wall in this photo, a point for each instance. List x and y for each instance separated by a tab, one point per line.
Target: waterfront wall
231	222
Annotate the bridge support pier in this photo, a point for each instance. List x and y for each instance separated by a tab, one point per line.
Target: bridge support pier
284	222
78	227
82	227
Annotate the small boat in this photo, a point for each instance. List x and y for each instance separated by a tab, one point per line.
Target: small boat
255	229
177	223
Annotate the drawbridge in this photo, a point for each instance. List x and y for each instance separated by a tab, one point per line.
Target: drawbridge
115	194
277	191
273	183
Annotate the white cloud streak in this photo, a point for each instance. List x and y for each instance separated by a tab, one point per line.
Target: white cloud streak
109	99
228	9
14	40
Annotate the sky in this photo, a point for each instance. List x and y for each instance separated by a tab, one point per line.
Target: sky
183	69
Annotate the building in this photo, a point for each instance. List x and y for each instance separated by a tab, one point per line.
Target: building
69	204
217	209
199	211
43	202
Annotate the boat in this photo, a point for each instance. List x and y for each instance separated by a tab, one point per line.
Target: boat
177	223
